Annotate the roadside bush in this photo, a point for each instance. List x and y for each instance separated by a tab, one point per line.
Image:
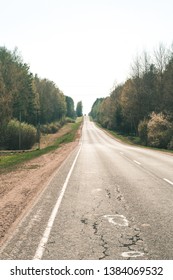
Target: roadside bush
50	128
44	129
3	127
136	140
28	135
143	131
170	145
54	127
160	131
69	120
62	121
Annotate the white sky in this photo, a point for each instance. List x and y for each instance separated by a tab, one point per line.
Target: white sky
84	46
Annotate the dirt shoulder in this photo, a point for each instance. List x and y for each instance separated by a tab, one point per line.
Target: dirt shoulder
20	188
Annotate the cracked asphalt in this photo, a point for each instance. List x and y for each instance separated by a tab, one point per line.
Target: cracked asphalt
116	205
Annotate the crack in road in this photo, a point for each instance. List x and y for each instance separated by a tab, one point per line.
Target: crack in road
95	228
104	244
120	197
105	248
84	221
133	242
127	234
108	193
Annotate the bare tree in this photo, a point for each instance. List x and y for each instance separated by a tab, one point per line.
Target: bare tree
145	62
161	58
136	67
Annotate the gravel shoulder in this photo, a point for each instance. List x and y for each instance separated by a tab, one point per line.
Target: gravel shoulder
20	188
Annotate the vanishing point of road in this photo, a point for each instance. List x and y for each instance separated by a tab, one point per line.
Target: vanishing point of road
108	200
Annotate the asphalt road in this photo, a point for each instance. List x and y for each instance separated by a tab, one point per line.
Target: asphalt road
107	201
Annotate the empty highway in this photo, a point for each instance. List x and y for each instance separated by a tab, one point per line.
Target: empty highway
107	201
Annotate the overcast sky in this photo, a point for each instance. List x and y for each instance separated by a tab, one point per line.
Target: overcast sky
84	46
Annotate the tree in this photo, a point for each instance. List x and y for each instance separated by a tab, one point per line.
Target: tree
79	109
167	102
17	81
162	56
149	89
70	107
116	109
52	103
17	97
95	110
7	72
130	104
26	98
161	59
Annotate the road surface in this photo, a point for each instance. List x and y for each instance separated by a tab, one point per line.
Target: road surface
108	200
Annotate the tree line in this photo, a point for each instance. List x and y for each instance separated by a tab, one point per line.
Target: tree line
26	98
143	105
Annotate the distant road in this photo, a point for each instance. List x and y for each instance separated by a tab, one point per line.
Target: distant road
108	200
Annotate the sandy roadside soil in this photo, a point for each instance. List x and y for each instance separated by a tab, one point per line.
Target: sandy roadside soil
20	188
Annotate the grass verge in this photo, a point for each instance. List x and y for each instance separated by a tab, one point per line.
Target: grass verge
9	162
131	140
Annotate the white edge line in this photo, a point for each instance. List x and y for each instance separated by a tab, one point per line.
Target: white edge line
137	162
41	247
168	181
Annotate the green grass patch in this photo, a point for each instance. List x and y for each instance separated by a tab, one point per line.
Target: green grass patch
70	136
9	162
124	138
79	119
131	140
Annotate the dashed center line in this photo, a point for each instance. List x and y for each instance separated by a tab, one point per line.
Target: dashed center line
168	181
137	162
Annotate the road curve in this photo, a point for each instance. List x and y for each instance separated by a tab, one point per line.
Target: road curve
108	200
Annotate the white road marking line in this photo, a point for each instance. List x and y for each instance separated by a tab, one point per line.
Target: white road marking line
119	220
121	153
137	162
132	254
168	181
96	190
45	237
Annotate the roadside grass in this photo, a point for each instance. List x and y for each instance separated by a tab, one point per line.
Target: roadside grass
12	160
131	140
69	137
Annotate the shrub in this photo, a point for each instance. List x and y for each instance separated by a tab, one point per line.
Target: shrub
3	128
160	131
170	145
50	128
69	120
143	131
53	127
28	135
